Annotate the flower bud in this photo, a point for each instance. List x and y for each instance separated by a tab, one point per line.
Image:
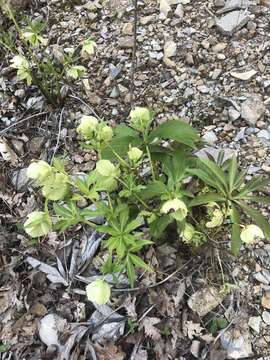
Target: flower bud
140	118
106	134
251	234
87	126
176	208
37	224
98	291
134	154
107	169
39	171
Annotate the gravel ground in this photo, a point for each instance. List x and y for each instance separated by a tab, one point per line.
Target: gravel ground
206	62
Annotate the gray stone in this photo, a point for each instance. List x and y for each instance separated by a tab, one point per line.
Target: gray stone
210	137
233	114
216	73
237	347
263	134
261	278
115	92
266	317
232	22
126	42
255	323
179	11
252	110
219	3
234	5
240	135
114	71
19	179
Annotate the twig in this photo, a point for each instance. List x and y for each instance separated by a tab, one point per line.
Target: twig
2	132
134	59
59	134
88	106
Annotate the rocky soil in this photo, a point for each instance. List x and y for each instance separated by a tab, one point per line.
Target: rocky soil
207	62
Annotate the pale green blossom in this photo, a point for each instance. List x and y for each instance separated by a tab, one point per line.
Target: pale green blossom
98	292
38	223
134	154
176	208
251	234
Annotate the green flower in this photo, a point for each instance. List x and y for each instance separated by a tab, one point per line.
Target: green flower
188	233
217	219
56	188
141	118
107	169
39	171
176	208
251	234
106	133
37	224
20	63
87	127
88	47
98	291
75	72
134	154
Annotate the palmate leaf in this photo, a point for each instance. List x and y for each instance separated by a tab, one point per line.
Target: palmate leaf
124	138
257	217
258	199
236	240
255	184
232	173
206	178
158	226
176	130
130	271
215	172
137	261
153	189
206	198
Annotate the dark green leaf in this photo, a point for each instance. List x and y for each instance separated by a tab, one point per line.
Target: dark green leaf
258	199
137	261
232	173
235	220
207	179
215	172
256	183
158	226
120	146
176	130
206	198
153	189
130	270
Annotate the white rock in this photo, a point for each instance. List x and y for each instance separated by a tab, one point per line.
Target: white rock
210	137
255	323
179	11
50	327
233	114
232	21
261	278
165	8
264	134
252	110
266	317
243	75
234	4
170	48
237	347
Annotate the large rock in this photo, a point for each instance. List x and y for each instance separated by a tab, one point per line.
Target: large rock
232	22
205	300
252	110
231	5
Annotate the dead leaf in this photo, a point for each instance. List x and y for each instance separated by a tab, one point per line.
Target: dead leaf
265	2
266	300
109	352
243	75
149	328
7	153
191	329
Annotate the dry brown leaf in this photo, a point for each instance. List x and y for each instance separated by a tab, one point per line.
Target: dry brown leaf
109	352
266	300
265	2
149	328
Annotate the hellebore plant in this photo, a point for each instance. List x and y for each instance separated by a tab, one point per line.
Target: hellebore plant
146	178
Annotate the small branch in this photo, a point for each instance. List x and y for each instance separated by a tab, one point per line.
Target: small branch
2	132
134	58
59	134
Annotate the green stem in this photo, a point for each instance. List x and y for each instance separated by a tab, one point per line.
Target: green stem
151	163
136	196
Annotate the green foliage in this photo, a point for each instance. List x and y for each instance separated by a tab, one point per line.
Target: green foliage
145	182
41	63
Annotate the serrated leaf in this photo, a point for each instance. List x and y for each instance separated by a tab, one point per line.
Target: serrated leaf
137	261
258	199
130	271
235	241
206	198
153	189
158	226
216	173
